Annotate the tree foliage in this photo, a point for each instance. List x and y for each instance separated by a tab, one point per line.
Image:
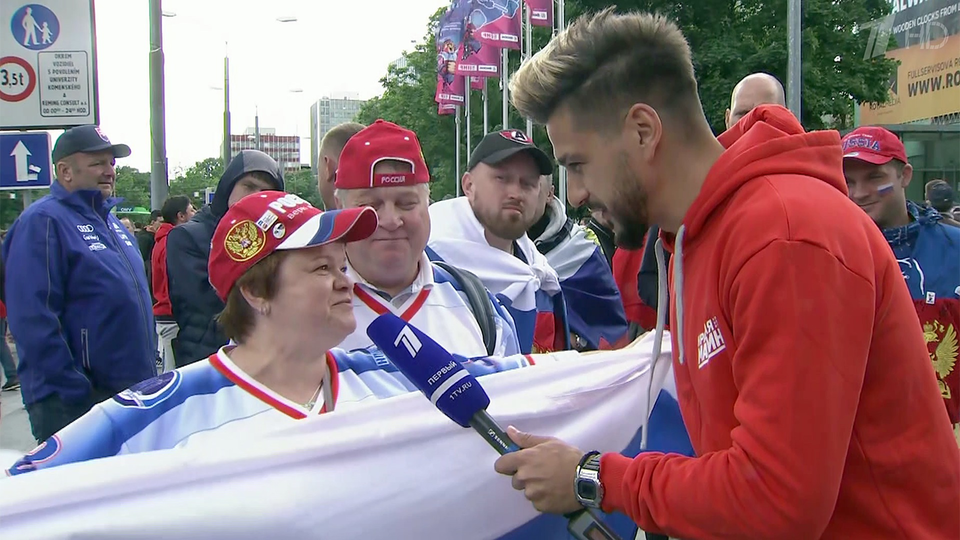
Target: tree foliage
733	38
729	38
408	100
133	186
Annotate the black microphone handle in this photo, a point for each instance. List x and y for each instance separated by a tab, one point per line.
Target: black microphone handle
582	524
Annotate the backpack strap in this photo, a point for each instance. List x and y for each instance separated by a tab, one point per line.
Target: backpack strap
479	302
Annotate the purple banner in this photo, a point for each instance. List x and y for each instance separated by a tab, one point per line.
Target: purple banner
449	35
497	22
446	108
541	12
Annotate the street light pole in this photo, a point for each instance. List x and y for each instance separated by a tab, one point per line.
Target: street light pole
158	138
226	110
794	65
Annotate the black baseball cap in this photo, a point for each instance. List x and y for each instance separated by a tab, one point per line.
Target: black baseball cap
940	192
500	145
86	139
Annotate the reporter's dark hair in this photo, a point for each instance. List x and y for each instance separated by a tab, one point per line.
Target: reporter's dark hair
173	206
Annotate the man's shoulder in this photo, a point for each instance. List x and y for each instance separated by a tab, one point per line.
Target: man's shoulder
45	208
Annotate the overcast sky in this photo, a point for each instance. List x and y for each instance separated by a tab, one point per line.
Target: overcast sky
335	46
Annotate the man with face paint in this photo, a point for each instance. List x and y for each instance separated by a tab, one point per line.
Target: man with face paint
928	250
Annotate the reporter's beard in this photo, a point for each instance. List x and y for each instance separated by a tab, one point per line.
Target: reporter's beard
628	210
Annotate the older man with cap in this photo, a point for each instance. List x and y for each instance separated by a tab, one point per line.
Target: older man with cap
485	232
77	290
382	167
877	172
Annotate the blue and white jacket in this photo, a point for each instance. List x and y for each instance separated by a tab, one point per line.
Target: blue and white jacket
77	298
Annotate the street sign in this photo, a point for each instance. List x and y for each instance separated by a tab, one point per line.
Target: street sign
48	70
25	161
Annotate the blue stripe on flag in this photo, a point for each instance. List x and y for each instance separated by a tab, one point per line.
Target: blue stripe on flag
667	434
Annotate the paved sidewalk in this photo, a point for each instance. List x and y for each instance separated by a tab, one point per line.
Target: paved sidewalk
14	424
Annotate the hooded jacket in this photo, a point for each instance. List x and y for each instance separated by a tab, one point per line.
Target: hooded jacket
193	301
801	369
928	251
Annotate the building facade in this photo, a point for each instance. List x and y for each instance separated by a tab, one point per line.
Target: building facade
923	107
285	149
326	113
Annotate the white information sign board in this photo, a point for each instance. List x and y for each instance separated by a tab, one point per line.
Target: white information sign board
48	64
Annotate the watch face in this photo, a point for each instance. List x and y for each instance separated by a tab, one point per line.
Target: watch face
586	489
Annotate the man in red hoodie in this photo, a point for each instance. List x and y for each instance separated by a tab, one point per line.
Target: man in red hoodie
801	368
176	210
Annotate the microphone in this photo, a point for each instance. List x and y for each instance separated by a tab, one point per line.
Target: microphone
439	376
459	396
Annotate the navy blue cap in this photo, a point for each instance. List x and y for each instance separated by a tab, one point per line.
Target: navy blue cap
86	139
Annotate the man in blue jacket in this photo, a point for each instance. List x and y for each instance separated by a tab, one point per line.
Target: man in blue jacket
77	293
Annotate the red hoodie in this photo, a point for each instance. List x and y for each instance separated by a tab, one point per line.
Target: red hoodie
801	369
158	262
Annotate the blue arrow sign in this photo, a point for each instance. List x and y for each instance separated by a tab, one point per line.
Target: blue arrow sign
25	161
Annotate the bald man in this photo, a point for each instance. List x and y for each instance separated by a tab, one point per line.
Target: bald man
754	89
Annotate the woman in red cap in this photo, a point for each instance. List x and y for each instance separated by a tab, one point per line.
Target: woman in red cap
278	263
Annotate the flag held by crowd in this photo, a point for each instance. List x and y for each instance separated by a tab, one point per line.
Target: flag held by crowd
393	469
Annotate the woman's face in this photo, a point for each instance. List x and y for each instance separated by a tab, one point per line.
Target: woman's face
315	294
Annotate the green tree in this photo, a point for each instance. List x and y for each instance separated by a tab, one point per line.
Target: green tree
195	180
729	38
303	184
133	186
408	100
732	38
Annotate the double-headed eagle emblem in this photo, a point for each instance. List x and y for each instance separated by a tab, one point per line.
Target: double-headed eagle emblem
944	357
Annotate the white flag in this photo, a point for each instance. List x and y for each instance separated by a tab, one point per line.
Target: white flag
393	469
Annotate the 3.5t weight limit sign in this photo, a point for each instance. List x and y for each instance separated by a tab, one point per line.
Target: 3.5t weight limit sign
17	79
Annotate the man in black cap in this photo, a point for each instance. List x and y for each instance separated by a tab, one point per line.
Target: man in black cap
76	289
194	303
485	232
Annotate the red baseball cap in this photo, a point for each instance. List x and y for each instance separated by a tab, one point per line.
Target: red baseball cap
874	145
264	222
380	141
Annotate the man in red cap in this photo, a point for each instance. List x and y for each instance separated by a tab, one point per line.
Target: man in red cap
877	172
382	167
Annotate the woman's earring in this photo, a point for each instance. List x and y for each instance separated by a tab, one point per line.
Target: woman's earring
265	310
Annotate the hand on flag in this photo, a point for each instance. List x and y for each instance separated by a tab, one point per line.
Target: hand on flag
545	470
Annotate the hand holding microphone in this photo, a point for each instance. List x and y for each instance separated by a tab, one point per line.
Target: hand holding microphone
460	397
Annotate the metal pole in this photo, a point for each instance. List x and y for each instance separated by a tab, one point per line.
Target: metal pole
256	129
794	71
504	81
457	170
562	176
486	109
529	50
226	111
466	108
158	139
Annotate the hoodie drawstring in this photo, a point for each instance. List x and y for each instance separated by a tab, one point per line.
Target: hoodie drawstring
662	314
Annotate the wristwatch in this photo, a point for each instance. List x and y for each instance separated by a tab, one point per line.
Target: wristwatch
588	487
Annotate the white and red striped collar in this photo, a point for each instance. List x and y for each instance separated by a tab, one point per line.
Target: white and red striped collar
407	303
222	363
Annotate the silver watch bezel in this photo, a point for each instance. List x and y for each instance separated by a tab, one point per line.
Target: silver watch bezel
589	472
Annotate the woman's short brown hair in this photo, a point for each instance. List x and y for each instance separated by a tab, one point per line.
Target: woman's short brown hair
261	280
